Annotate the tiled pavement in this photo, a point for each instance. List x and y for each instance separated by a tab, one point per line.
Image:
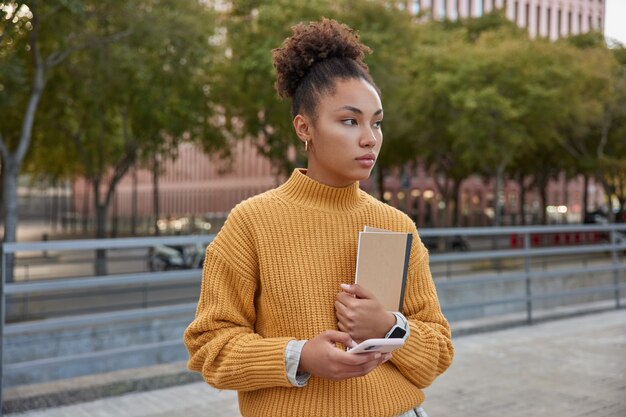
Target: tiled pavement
569	367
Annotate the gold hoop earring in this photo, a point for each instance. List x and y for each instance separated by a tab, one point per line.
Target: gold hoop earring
306	146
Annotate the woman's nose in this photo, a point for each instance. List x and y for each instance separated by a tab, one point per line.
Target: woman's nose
368	138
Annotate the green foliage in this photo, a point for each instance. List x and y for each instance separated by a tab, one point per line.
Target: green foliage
493	21
392	35
125	100
253	29
244	76
474	96
588	40
465	97
16	60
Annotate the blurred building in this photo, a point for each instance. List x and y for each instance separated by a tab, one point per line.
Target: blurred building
193	184
548	18
414	191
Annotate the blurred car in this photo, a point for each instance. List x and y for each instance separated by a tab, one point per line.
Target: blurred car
183	225
596	217
456	243
171	257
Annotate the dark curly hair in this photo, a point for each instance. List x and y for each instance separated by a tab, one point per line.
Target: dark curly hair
313	58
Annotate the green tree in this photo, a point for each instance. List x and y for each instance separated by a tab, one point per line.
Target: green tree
589	106
36	37
544	71
612	161
483	122
428	100
468	101
131	101
245	76
393	35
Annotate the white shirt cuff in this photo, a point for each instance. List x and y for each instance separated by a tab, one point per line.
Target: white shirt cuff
292	360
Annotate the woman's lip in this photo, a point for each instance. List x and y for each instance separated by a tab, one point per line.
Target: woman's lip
366	162
368	157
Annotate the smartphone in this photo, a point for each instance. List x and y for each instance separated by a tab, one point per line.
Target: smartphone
377	345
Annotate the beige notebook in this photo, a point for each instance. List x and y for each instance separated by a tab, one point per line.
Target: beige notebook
382	264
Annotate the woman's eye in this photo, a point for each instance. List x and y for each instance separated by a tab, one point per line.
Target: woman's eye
349	122
378	124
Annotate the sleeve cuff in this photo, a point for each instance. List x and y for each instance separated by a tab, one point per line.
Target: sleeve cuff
293	350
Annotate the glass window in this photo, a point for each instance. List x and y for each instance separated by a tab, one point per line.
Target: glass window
569	23
580	23
416	6
538	21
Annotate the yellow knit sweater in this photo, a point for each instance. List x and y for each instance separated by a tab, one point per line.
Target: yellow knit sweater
271	275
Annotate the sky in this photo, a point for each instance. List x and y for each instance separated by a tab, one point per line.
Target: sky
615	24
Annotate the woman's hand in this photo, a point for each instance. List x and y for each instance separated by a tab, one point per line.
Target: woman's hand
361	315
321	357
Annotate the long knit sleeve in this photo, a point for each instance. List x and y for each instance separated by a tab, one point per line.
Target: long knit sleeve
428	352
222	342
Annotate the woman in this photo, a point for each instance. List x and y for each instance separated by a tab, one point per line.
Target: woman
276	297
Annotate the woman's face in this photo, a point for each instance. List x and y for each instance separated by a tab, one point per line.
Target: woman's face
346	136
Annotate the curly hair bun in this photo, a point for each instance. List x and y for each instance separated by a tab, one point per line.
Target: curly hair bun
312	43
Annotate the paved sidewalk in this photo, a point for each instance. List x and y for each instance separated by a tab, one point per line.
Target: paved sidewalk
569	367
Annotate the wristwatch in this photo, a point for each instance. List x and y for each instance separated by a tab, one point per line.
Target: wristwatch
396	332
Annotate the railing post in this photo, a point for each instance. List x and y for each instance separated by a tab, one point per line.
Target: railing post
529	302
614	261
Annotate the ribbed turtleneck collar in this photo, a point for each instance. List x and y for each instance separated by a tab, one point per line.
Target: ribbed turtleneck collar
305	191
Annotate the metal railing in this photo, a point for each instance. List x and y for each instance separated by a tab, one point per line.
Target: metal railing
90	282
486	246
605	242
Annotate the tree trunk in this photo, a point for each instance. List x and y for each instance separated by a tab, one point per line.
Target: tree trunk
497	221
522	202
619	215
456	213
101	254
85	214
543	198
608	193
133	215
621	198
2	165
9	185
155	193
54	215
374	181
72	198
12	161
565	198
585	202
101	261
380	180
115	219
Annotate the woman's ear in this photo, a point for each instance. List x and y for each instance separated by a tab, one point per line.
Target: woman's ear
302	126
